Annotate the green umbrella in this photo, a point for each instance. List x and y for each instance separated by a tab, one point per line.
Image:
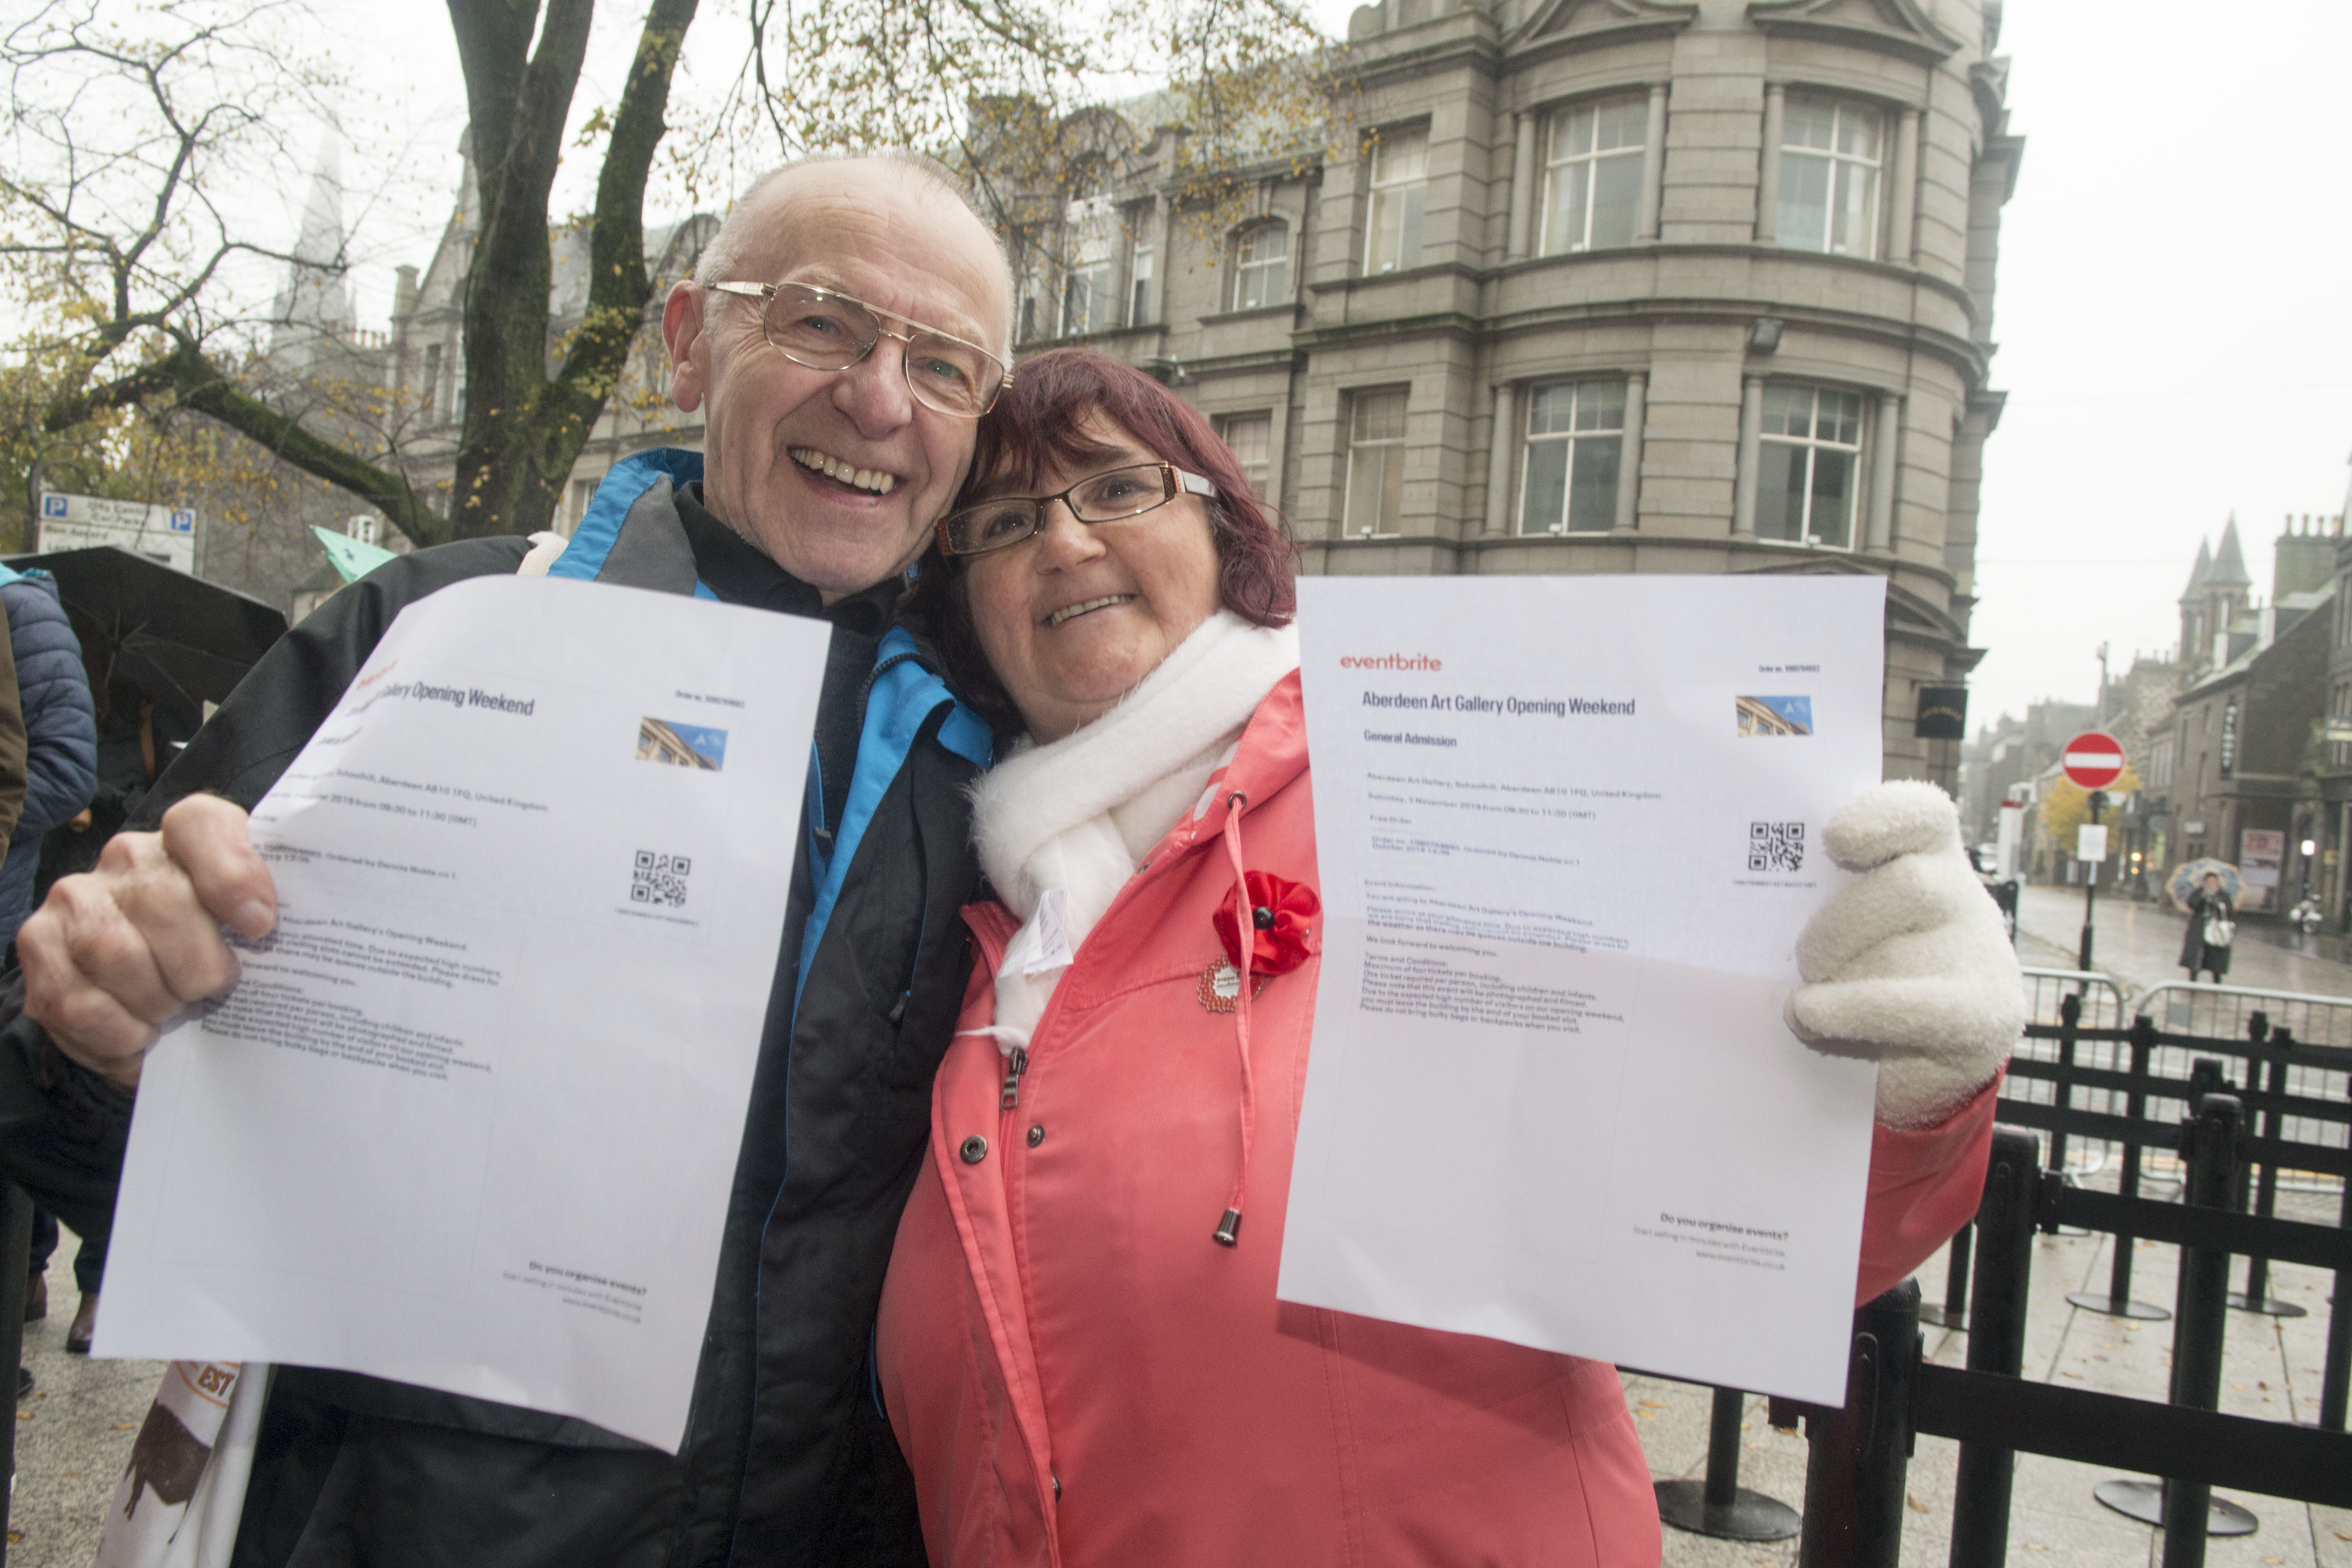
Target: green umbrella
353	558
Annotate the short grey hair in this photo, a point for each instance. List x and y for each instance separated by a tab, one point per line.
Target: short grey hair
722	257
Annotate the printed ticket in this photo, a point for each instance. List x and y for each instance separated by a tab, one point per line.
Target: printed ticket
1568	831
470	1117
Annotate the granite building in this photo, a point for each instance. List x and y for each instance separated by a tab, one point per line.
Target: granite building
2236	774
1597	286
1666	286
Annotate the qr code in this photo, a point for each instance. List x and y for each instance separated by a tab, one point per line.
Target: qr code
1776	845
660	879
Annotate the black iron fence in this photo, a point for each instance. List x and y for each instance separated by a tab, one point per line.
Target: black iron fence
2222	1124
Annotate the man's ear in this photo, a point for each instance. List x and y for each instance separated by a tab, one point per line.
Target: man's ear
689	357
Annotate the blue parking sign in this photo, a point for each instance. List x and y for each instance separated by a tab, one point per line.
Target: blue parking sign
53	506
183	522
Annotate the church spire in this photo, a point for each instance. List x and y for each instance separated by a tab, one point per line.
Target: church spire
2228	569
2197	572
315	300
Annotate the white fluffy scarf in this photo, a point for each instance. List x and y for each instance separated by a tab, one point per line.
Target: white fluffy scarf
1060	827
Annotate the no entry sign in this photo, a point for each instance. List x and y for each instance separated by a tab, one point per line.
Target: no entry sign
2093	760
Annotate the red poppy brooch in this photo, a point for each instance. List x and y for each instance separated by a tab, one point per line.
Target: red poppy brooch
1280	914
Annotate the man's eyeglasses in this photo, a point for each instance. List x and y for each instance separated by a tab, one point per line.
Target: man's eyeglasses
1099	498
827	330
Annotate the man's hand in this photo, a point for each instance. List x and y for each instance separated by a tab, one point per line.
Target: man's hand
111	954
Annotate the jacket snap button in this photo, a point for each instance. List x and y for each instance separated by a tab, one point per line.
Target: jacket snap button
1036	1135
974	1149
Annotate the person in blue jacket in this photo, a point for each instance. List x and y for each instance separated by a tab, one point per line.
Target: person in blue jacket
61	731
60	776
843	331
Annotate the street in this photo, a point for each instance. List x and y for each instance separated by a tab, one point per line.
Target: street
2140	944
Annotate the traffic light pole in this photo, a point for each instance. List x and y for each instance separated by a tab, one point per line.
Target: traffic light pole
2091	883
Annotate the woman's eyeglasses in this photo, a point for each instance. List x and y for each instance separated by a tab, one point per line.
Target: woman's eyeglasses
1108	497
826	330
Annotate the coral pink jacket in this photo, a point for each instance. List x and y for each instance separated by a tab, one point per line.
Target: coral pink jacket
1080	1376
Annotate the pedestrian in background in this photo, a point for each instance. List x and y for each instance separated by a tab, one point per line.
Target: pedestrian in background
2205	946
59	733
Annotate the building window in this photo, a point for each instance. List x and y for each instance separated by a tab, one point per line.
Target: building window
1375	502
1810	463
1400	185
1250	436
1828	176
1576	437
1086	303
1138	274
432	382
1261	267
1593	175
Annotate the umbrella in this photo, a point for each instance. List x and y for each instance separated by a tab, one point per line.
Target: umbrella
180	640
2189	876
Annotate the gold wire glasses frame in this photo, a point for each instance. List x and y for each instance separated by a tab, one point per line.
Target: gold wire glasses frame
826	330
1111	495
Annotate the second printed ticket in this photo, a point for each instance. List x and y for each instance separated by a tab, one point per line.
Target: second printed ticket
1568	831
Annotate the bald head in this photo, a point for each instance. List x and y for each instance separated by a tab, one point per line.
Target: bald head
837	474
817	190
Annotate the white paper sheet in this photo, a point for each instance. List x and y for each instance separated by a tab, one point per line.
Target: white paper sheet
1568	830
470	1118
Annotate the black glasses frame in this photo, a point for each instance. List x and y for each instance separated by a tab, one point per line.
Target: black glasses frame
1173	481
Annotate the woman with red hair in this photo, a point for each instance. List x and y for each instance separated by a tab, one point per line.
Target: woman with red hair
1079	1345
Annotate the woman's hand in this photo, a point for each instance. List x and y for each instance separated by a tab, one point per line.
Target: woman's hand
1910	964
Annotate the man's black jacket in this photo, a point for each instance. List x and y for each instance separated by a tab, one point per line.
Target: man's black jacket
787	1460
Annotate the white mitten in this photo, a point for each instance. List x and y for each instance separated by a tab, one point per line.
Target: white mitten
1910	964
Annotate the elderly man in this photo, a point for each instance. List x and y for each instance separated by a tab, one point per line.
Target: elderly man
846	327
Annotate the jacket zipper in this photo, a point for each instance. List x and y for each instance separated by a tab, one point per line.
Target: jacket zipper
1014	1066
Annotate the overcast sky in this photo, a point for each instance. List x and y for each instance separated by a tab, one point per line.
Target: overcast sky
2173	316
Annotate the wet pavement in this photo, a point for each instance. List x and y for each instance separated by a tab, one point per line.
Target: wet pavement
2140	945
73	1434
2272	1368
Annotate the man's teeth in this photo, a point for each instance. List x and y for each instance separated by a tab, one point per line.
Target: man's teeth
873	480
1067	611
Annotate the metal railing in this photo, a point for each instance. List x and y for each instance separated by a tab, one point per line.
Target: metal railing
2176	1008
2104	1006
2104	1003
2181	1007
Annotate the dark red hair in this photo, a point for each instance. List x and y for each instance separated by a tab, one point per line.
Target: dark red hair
1034	428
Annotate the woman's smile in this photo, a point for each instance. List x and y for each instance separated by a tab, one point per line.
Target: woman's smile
1087	606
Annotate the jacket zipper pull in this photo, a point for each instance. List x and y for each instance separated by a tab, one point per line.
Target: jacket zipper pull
1014	1066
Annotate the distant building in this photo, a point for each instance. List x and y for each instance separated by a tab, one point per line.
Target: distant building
427	357
1681	285
334	376
2237	773
2007	755
1603	286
